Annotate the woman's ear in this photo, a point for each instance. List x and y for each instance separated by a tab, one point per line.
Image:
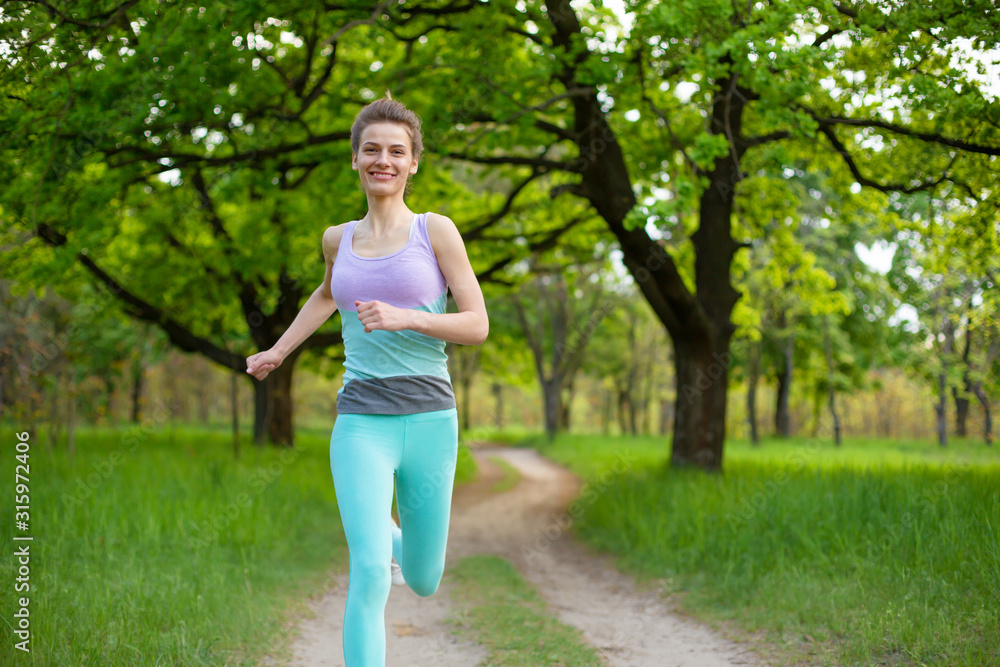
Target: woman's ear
413	167
354	161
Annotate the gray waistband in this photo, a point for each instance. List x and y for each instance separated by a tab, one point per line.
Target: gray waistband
397	395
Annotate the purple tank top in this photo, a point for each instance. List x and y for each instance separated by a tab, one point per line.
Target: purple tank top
407	278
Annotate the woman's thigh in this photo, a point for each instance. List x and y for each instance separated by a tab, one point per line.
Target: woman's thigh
364	452
424	483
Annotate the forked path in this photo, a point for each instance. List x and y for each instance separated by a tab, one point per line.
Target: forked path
526	524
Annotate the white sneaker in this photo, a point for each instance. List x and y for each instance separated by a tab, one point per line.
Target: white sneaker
397	574
397	571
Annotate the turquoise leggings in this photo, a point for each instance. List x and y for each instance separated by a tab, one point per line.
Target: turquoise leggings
366	452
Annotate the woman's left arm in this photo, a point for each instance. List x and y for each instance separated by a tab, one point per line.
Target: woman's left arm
470	325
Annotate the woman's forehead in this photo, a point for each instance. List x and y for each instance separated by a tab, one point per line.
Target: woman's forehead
385	133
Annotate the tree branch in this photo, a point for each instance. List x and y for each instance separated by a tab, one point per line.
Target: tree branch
749	142
891	187
176	332
905	131
540	163
183	159
477	231
545	243
111	15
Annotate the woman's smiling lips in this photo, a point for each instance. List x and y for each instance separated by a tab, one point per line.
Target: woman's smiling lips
381	175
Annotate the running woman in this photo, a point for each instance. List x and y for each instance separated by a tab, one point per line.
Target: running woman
397	425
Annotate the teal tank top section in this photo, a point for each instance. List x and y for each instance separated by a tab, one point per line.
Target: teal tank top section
380	353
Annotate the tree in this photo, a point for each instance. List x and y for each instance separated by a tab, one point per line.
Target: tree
189	157
946	276
628	355
558	311
732	92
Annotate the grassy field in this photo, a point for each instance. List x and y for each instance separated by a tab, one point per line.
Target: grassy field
155	547
873	553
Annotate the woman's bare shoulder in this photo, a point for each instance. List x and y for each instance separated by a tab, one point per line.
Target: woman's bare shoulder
437	219
332	237
440	226
444	235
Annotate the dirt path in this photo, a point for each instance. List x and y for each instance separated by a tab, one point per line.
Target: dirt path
526	525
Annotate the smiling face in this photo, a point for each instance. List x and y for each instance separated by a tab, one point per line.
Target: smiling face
384	159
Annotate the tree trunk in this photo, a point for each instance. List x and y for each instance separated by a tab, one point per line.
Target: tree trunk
463	362
961	410
234	406
607	407
632	414
110	404
551	396
782	416
699	322
498	420
700	415
984	400
622	399
753	372
961	399
566	406
466	402
942	407
666	414
828	344
273	407
817	414
138	379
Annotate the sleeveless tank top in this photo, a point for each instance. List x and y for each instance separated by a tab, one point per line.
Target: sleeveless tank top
391	372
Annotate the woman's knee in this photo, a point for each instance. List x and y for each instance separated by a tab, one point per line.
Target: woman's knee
425	582
370	581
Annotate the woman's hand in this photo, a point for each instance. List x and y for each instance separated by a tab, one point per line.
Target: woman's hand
262	363
380	315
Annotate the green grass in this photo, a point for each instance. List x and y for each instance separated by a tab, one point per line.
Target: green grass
592	454
511	475
501	611
155	547
876	553
465	467
508	435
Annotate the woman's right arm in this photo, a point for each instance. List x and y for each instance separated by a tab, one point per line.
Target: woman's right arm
317	309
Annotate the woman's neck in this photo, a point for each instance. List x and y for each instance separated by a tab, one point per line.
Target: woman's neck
386	214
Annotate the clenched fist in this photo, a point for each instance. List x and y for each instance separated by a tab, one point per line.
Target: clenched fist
262	363
380	315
